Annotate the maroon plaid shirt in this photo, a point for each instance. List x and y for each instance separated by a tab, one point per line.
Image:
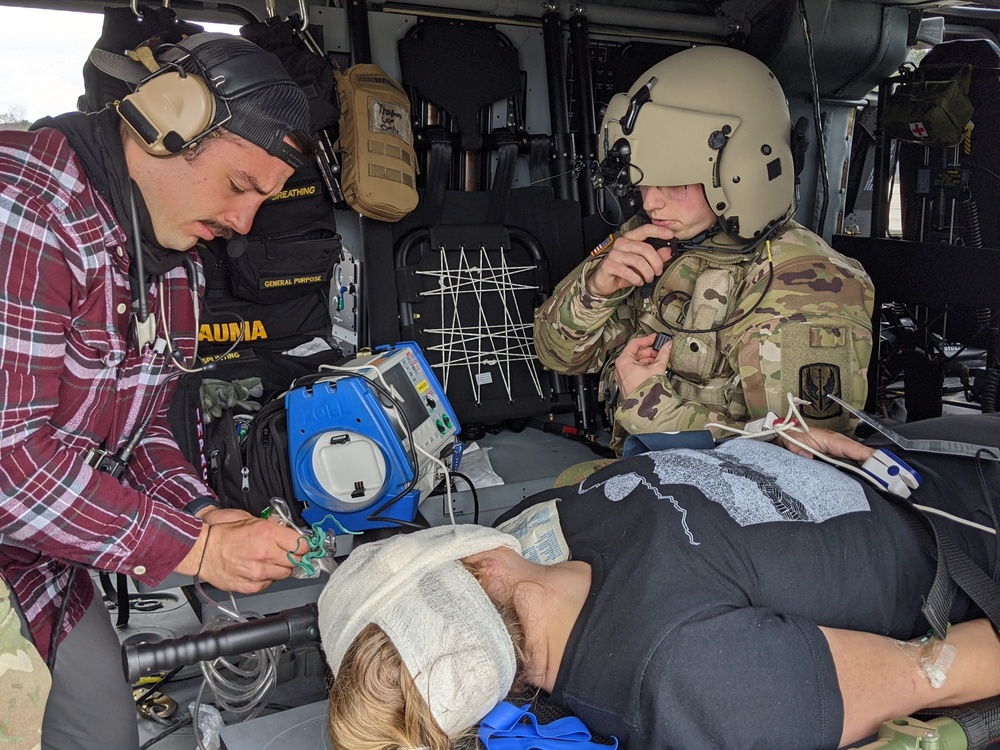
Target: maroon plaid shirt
70	381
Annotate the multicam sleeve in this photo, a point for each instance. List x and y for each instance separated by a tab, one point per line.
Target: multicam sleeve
575	331
811	337
656	407
809	361
24	682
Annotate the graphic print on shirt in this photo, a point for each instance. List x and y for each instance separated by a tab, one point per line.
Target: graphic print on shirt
755	482
620	487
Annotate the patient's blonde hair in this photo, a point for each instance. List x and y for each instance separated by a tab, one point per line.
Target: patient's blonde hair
374	703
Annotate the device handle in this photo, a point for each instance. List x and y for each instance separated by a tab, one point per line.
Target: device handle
293	627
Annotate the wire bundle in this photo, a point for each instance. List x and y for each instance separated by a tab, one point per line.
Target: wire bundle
242	685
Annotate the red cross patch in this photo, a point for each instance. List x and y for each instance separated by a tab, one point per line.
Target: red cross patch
918	129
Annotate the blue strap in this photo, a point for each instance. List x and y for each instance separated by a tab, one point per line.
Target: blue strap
662	441
508	727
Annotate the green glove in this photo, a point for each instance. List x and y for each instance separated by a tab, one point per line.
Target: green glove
219	396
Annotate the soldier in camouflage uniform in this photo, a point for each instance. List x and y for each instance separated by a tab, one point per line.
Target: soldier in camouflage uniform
24	683
757	305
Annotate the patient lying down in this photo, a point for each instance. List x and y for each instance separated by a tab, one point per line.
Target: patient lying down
738	597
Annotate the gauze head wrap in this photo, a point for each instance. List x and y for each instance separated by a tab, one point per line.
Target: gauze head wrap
448	632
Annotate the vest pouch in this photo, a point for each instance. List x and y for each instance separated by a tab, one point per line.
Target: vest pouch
378	163
282	269
932	107
695	356
721	393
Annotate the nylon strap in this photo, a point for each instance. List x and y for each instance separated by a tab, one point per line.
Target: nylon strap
120	596
503	177
508	727
438	173
955	569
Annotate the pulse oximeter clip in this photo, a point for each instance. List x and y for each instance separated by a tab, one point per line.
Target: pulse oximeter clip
888	471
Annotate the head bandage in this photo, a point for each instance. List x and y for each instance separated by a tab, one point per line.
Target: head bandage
449	634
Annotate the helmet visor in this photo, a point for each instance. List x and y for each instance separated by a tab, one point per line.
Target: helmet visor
670	145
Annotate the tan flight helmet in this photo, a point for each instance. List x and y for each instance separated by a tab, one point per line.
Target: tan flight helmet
713	116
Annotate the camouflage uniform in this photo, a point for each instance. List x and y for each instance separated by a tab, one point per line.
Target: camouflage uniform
24	683
809	335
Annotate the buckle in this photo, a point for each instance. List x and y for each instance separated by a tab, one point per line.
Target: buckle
95	457
104	461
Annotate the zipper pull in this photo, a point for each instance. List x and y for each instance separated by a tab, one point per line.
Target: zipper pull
245	474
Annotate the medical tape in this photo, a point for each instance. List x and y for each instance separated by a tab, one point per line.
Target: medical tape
932	655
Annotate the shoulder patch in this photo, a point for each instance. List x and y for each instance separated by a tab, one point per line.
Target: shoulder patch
816	382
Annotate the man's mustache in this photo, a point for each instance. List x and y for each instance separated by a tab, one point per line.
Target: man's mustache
220	230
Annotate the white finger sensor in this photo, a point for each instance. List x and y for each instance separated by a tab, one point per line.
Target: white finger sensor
891	473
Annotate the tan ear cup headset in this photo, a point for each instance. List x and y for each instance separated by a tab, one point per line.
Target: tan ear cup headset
191	89
171	109
168	112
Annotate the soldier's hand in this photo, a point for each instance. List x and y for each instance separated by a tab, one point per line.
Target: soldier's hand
630	262
639	361
827	442
244	556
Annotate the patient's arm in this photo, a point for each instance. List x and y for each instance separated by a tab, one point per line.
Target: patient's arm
826	441
881	680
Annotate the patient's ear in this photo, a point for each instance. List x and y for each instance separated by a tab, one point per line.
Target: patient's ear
494	572
481	564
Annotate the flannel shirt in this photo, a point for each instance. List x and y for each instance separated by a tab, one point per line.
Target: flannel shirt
71	381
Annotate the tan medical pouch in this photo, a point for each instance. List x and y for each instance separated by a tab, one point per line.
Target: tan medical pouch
378	164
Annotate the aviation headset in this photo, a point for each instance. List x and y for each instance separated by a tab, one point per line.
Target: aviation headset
186	97
169	111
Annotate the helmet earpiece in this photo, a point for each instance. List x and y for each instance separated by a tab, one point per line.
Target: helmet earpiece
614	169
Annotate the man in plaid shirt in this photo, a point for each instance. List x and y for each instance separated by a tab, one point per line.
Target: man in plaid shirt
90	476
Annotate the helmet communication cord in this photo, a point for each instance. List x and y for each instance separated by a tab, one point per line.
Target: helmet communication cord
143	328
764	239
676	246
767	287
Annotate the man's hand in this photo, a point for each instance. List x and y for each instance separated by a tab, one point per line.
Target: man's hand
213	515
630	262
827	442
244	556
639	361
